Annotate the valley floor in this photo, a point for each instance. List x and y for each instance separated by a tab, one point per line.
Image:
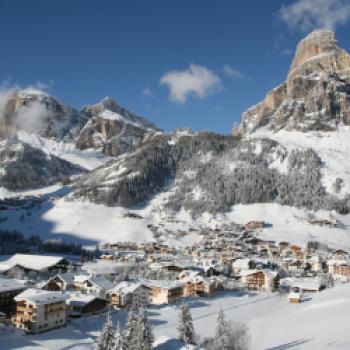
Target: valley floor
89	223
321	322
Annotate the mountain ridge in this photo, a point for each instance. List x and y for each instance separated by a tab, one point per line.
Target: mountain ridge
289	154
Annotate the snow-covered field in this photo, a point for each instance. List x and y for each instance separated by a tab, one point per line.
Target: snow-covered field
89	223
319	323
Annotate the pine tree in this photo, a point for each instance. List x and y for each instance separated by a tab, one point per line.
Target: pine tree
131	330
118	342
185	325
144	332
106	337
220	332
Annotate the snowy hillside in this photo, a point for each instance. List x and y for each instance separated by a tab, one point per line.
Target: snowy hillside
274	323
58	217
23	166
332	147
113	128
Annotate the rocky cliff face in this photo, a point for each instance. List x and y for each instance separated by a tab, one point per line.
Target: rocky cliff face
315	95
36	112
113	128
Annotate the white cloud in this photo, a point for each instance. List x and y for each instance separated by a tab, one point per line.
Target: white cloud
286	52
306	15
30	117
195	80
232	72
147	92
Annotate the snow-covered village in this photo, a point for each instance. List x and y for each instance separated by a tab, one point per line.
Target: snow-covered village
149	201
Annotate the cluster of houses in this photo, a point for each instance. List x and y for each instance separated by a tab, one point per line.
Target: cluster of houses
39	293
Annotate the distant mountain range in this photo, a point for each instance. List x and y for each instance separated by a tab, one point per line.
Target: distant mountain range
290	149
210	173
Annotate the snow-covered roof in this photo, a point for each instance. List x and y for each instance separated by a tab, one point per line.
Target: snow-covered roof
102	282
294	295
188	274
5	266
125	287
306	283
79	299
200	279
7	285
32	262
38	296
338	262
241	263
81	277
163	284
67	278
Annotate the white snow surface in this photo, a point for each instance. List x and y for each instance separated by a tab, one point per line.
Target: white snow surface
34	262
89	223
318	323
333	148
110	115
88	159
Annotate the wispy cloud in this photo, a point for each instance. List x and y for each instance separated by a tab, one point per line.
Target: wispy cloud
195	80
28	117
306	15
232	72
147	92
286	52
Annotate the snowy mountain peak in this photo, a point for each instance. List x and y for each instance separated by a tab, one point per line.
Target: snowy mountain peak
109	103
36	112
315	96
32	92
113	128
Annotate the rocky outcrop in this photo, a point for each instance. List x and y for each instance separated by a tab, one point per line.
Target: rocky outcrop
315	95
36	112
113	128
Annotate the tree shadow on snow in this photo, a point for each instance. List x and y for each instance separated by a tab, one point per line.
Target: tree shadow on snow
170	344
32	221
290	345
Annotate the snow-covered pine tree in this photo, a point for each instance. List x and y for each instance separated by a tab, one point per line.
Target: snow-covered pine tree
118	341
219	342
185	325
105	340
144	332
131	331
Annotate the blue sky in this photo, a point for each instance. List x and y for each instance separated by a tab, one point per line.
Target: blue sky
181	63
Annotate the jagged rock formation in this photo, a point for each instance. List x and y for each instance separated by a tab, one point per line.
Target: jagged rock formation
113	128
36	112
204	172
316	94
23	167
